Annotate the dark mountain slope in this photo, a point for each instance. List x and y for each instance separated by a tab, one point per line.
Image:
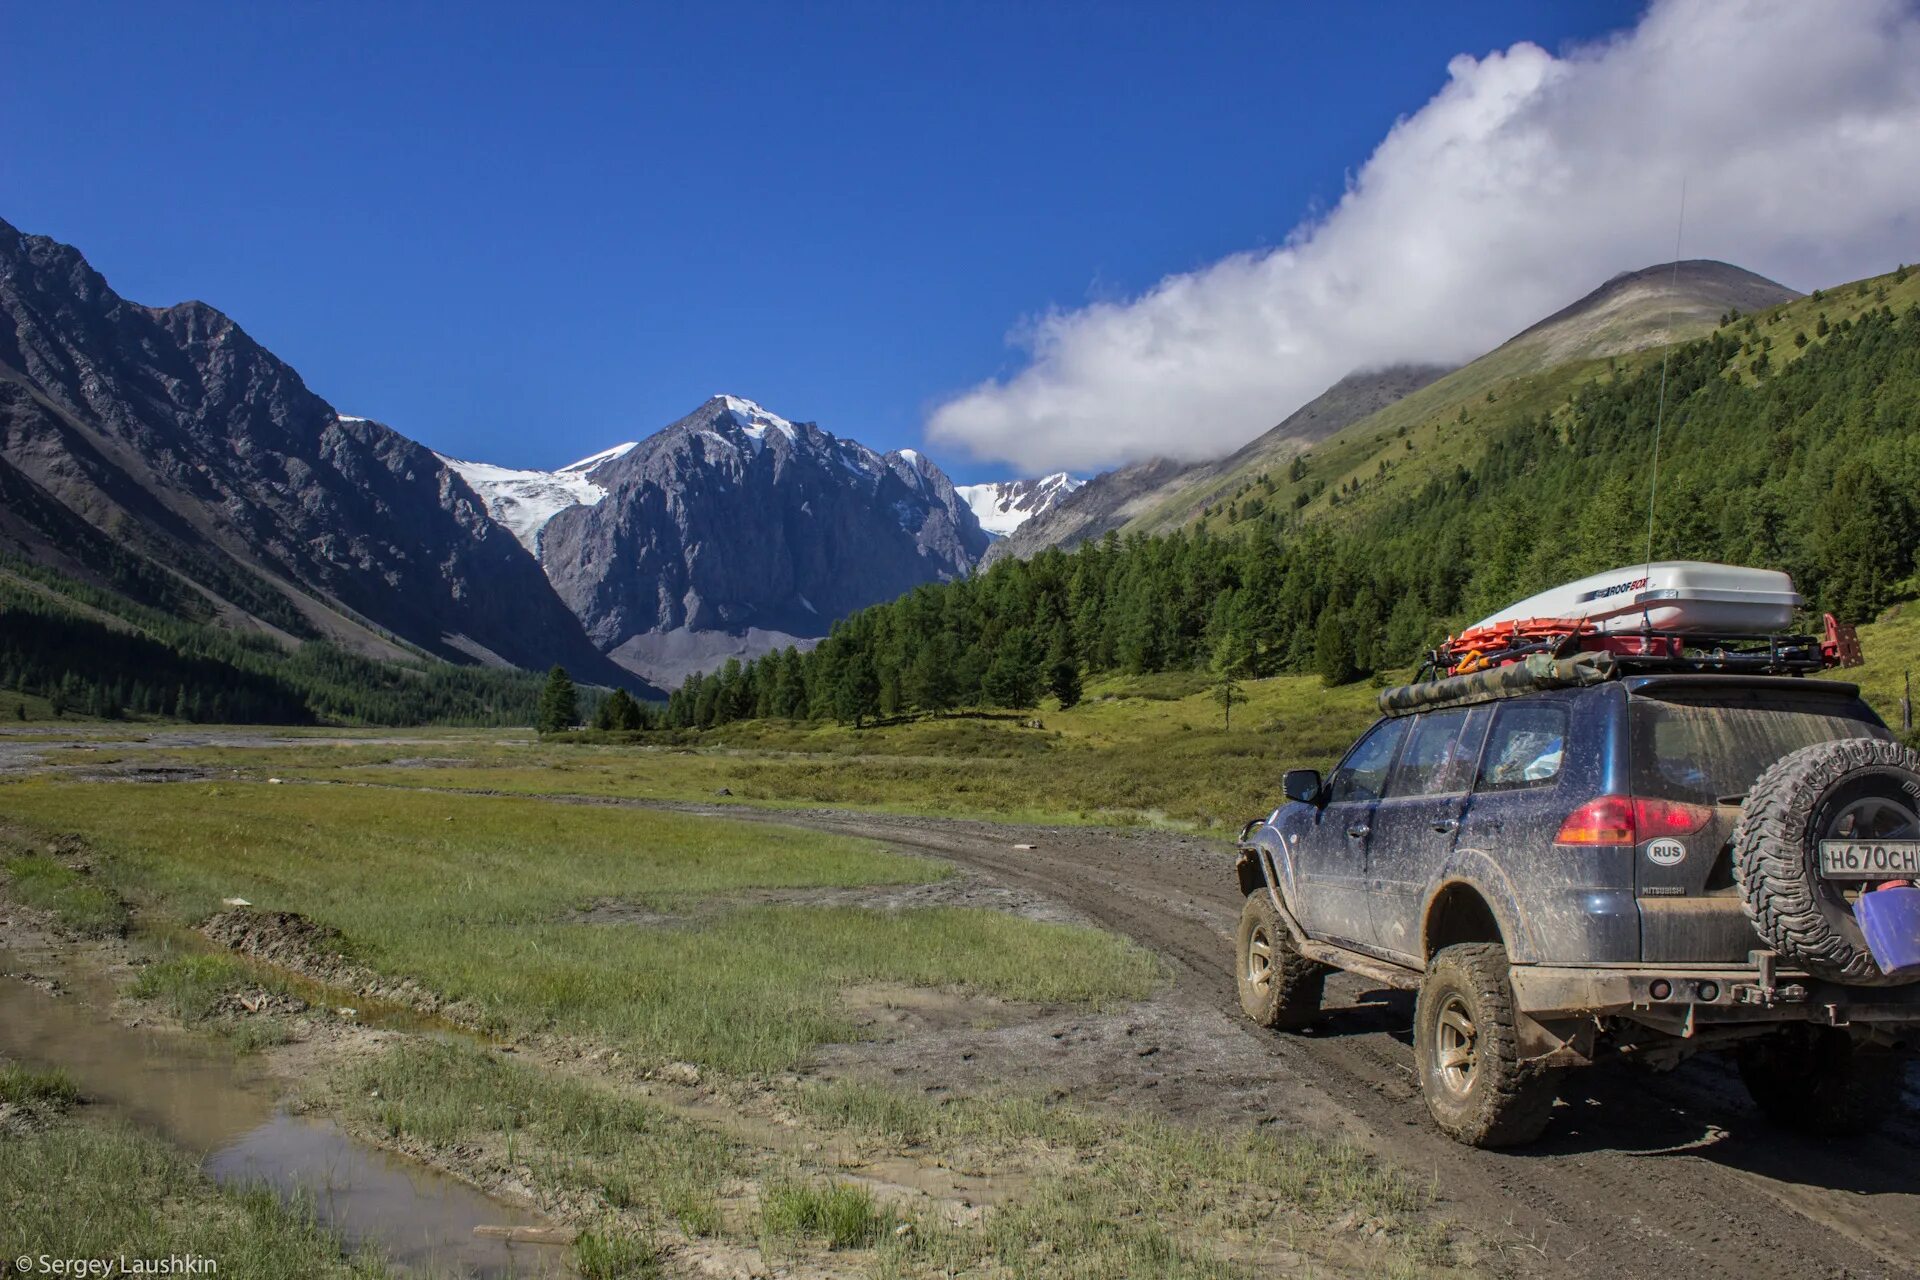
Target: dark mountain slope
176	435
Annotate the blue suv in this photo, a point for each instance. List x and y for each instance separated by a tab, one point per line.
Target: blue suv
1570	861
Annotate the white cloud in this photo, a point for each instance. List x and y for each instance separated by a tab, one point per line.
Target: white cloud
1525	182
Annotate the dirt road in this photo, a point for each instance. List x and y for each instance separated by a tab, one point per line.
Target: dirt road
1640	1175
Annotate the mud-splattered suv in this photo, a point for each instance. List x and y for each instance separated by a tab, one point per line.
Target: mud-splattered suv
1571	862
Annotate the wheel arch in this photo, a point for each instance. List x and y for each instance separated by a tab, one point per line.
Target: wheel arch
1459	912
1267	847
1472	871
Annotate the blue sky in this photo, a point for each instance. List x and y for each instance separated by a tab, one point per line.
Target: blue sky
521	233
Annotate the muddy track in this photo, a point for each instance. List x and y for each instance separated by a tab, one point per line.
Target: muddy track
1638	1176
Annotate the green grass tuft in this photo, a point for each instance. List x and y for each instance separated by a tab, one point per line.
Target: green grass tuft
843	1214
616	1254
27	1086
576	1135
189	986
76	900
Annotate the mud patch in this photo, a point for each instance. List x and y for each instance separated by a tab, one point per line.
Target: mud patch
894	1010
1159	1054
290	941
38	981
257	1002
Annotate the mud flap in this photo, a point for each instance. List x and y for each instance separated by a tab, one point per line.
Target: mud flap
1555	1042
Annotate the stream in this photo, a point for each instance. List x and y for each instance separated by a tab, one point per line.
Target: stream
228	1112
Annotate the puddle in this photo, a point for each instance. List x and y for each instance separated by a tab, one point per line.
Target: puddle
226	1110
420	1219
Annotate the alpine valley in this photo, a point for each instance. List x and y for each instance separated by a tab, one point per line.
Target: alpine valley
187	529
160	469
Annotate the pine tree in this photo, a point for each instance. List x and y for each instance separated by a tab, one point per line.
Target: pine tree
856	695
930	683
618	711
559	702
1333	650
1063	681
1012	679
1228	693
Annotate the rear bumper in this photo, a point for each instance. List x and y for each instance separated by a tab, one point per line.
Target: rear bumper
1707	995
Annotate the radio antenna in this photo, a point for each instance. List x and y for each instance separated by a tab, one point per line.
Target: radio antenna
1660	411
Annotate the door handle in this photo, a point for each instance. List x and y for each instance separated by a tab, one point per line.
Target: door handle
1447	826
1359	830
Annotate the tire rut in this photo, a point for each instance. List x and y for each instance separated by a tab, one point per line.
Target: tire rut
1638	1174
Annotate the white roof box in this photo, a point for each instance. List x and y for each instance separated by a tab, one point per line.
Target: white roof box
1687	596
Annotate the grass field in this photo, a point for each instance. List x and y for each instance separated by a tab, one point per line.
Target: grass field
1101	1195
476	897
1149	749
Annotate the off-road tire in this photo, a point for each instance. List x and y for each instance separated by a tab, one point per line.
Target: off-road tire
1820	1081
1502	1101
1776	856
1279	987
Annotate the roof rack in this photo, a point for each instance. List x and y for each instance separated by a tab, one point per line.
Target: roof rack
1500	644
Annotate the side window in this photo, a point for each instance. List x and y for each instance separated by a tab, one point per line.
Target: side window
1525	748
1436	760
1364	772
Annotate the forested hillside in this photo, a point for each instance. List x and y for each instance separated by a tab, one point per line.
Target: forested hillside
1790	440
94	652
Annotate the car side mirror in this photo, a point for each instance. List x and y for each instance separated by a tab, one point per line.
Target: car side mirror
1302	785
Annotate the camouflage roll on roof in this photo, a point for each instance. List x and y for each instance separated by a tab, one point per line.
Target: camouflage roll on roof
1538	671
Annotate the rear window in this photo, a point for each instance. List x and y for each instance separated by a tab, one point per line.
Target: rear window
1710	745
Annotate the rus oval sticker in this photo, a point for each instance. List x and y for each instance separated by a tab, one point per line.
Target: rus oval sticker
1666	853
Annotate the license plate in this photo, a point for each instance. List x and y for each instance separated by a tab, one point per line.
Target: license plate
1870	859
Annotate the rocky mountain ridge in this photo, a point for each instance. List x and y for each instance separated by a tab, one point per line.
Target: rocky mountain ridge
1633	311
200	454
1114	498
1002	506
734	530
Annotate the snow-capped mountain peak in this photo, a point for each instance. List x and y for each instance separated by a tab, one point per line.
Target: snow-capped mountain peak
1002	506
591	461
754	421
524	501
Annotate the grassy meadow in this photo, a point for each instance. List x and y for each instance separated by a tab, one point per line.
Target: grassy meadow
1145	749
477	899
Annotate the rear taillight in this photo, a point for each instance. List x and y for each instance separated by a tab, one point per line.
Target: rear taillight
1606	820
1668	817
1624	820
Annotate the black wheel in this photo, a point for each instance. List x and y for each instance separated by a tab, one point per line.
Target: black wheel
1279	987
1819	1081
1468	1049
1851	789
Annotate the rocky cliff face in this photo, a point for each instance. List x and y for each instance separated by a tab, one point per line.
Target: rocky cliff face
177	435
734	531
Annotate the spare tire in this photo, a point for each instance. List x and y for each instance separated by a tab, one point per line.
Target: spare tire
1861	788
